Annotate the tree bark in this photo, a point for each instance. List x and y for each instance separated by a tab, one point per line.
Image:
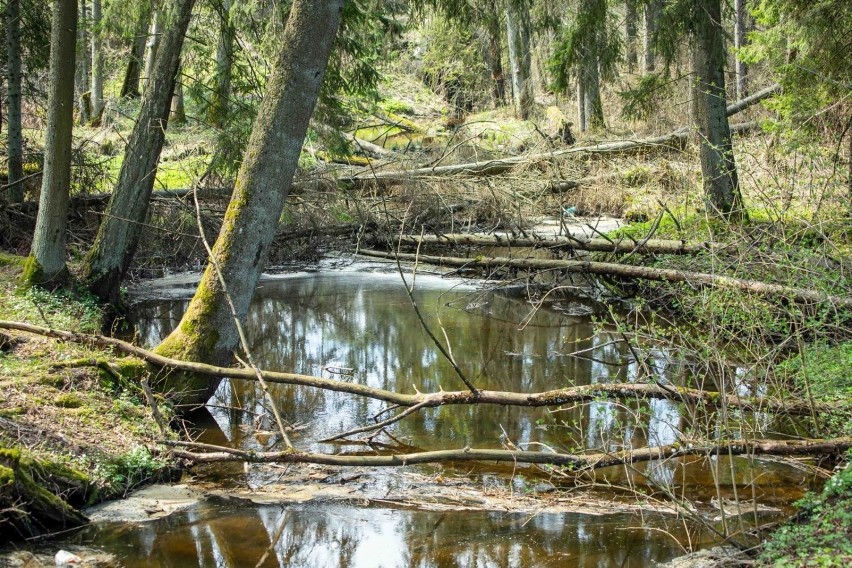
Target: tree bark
84	95
740	28
799	295
718	168
120	228
592	106
97	64
208	331
152	44
46	263
178	106
582	124
218	112
130	85
650	16
14	136
630	28
494	58
517	29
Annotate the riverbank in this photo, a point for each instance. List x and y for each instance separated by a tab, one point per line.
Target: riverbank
75	428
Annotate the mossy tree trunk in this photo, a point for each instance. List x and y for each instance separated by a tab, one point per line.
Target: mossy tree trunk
208	331
46	263
710	109
14	137
118	234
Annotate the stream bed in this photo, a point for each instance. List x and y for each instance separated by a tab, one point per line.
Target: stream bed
356	322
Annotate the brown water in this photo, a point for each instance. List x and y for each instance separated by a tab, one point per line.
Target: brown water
358	324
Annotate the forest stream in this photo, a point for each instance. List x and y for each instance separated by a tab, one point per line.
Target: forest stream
355	321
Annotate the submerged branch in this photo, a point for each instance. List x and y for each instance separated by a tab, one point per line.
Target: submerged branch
576	462
570	395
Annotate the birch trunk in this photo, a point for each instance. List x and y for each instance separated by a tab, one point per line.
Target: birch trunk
46	263
152	44
14	137
178	106
118	234
207	331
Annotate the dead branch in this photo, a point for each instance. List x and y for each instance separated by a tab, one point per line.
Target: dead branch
570	395
621	245
576	462
498	166
798	295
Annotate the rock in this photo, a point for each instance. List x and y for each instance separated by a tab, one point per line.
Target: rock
65	558
715	557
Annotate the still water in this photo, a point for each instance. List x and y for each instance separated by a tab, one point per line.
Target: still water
358	324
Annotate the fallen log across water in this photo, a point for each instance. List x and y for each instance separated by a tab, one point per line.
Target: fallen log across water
570	395
798	295
620	245
502	165
576	462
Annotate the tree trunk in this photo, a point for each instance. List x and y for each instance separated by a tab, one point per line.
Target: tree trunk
46	263
517	28
14	137
592	106
718	168
582	125
119	231
84	96
651	14
630	27
97	64
130	85
208	331
218	112
494	59
740	28
153	42
178	107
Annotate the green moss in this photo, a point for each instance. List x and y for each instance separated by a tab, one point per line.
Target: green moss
68	400
11	260
10	455
7	476
32	273
12	411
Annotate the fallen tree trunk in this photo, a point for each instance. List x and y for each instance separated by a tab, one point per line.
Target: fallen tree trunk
576	462
799	295
622	245
577	394
499	166
743	104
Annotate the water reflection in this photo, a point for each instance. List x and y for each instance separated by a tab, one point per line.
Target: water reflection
338	535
